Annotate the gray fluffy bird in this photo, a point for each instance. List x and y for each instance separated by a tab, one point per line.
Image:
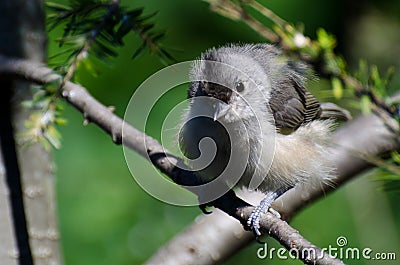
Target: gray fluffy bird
252	123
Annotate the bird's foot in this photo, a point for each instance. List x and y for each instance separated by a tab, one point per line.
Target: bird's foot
204	204
265	205
254	220
274	212
203	208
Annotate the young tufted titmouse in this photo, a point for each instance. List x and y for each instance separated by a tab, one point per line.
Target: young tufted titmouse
252	123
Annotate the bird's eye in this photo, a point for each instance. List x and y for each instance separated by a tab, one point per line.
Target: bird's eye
239	86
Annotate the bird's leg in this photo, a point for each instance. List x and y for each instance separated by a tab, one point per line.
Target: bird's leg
265	205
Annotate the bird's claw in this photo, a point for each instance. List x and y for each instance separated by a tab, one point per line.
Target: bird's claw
274	212
203	208
254	219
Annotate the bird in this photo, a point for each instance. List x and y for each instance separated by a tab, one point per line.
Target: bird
252	123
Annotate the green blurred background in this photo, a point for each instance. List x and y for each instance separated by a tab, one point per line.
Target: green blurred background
106	218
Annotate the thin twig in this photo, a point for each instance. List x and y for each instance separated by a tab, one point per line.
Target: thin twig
99	114
228	9
268	13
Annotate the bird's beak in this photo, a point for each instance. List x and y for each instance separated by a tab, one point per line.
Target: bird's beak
220	109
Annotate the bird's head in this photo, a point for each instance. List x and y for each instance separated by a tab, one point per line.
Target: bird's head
235	84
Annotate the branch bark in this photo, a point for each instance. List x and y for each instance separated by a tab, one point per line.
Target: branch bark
28	226
97	113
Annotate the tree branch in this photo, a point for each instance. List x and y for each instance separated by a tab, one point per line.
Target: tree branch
28	222
97	113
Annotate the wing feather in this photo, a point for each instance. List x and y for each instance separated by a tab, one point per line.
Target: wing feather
292	105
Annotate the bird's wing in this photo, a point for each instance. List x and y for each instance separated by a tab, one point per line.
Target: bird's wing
292	105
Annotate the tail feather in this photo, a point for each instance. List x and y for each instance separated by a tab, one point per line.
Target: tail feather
333	111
